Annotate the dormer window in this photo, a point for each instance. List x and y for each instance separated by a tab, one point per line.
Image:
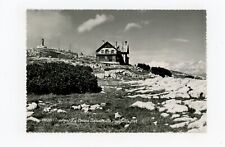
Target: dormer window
106	51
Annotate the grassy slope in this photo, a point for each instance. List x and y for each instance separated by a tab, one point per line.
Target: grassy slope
116	102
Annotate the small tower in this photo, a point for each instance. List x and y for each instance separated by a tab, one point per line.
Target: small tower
42	44
125	52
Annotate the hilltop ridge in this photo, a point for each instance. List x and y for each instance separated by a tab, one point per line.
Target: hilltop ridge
67	56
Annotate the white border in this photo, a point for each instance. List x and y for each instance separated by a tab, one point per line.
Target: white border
13	76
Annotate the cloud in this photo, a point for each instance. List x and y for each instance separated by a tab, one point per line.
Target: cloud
132	25
191	67
94	22
180	40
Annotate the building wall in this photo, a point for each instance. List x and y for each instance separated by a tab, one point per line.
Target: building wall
107	51
106	58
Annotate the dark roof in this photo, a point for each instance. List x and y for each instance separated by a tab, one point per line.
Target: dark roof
106	45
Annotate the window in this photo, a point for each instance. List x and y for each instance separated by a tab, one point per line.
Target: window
112	51
110	58
114	58
106	51
101	58
102	51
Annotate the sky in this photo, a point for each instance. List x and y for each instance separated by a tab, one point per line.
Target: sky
167	38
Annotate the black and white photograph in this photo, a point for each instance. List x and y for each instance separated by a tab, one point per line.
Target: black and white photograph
96	73
116	71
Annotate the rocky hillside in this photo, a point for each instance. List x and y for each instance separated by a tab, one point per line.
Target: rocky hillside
173	103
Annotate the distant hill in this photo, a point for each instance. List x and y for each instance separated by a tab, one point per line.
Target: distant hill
178	74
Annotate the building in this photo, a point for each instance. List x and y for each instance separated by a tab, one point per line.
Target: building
107	53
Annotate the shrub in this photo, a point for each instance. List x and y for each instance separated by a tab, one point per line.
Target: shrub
189	76
143	66
161	71
60	78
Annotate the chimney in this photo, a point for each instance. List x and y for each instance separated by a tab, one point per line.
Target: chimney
125	42
42	42
116	44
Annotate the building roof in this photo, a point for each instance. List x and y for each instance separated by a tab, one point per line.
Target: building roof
106	45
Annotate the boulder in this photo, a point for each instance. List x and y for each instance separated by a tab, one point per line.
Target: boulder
178	125
164	114
126	126
187	119
33	119
94	107
29	113
117	115
77	107
47	109
32	106
61	111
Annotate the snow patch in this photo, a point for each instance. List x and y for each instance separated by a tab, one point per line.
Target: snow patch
197	105
178	125
146	105
198	123
170	87
187	119
175	115
174	106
